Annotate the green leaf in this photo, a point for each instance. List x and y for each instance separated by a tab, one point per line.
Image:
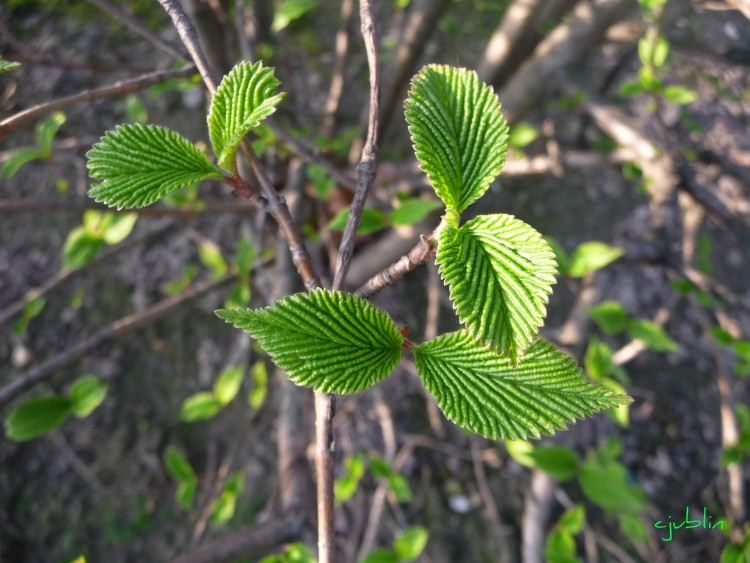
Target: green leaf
380	467
320	179
80	248
560	547
372	221
621	415
522	134
135	109
735	553
210	256
260	385
633	528
185	494
46	131
520	451
610	316
598	360
223	509
653	51
36	417
561	257
573	519
116	227
228	383
483	393
458	131
331	341
290	10
139	164
411	543
651	335
235	484
400	488
680	95
31	309
560	462
177	466
18	158
86	394
721	336
591	256
345	486
200	406
244	98
245	258
6	66
381	555
413	211
605	483
499	271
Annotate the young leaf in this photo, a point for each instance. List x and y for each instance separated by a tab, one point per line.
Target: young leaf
290	10
257	396
138	164
411	543
499	271
522	134
18	158
483	393
116	227
606	483
228	384
331	341
223	509
573	519
244	98
185	494
46	131
177	466
680	95
372	221
413	210
590	256
210	256
36	417
200	406
381	555
610	316
87	393
598	359
5	66
560	462
652	335
458	131
80	248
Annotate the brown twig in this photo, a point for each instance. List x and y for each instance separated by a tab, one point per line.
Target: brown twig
29	205
489	502
10	124
137	27
422	251
63	274
247	542
339	68
110	332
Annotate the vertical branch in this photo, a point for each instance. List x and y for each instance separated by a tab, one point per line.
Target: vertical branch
339	68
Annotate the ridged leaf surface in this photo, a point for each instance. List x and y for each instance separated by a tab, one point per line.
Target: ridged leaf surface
244	98
458	131
331	341
482	392
139	164
500	273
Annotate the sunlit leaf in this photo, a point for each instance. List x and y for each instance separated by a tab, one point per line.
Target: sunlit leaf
6	66
651	335
17	159
86	394
413	211
331	341
522	134
458	131
210	256
228	383
80	248
200	406
610	316
289	10
372	221
500	273
46	132
244	98
680	95
137	165
560	462
411	543
591	256
483	393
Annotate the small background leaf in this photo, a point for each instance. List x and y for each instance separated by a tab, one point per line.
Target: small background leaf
522	134
200	406
560	462
413	211
651	335
411	543
228	384
290	10
36	417
177	466
591	256
610	316
86	394
372	221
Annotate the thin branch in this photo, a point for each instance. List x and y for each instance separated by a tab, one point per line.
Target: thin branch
10	124
422	251
29	205
63	274
137	27
339	68
248	542
114	330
